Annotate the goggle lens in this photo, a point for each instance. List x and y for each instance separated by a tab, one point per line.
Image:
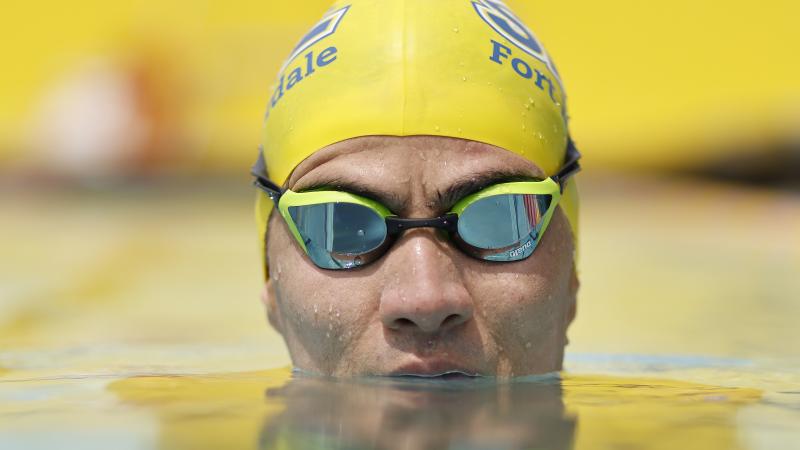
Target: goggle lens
503	227
339	235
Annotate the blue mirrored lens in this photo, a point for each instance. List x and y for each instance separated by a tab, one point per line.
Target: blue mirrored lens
337	234
504	227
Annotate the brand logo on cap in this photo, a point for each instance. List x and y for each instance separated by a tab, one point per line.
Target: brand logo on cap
312	60
324	28
507	24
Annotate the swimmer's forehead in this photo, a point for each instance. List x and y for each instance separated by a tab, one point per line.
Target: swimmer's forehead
462	156
394	169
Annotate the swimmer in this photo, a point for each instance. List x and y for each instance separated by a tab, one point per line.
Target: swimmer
416	204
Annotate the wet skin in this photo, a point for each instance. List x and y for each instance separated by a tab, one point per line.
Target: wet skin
424	307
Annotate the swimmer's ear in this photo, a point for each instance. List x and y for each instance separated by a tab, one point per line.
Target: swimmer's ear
268	299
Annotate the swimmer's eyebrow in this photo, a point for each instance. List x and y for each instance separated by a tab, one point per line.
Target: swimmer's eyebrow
391	200
444	201
470	184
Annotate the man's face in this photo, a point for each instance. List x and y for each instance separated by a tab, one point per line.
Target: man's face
424	307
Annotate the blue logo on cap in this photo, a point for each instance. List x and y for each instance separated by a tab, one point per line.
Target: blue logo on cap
324	28
507	24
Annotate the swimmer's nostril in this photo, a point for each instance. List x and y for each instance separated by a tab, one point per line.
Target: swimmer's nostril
404	323
452	319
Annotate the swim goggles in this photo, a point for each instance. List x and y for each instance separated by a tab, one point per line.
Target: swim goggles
340	230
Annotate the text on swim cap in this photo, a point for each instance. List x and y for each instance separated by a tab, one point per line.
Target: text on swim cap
503	21
298	74
322	30
501	52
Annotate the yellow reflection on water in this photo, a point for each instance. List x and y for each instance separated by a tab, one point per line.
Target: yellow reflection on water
268	410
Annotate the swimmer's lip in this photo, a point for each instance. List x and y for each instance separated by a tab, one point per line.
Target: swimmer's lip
433	368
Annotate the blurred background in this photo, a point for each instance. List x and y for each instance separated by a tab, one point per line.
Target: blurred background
127	130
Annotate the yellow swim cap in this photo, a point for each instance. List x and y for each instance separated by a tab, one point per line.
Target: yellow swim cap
457	68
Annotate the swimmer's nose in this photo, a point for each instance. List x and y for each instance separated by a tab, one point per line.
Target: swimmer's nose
425	293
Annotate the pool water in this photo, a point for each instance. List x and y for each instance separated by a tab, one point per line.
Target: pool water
129	319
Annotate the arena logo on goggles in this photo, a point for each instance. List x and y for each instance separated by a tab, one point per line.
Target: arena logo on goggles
507	24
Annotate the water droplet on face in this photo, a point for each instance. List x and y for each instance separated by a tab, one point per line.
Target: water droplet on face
527	345
360	233
328	335
316	309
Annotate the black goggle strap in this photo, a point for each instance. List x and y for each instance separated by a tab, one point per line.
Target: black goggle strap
571	165
259	170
